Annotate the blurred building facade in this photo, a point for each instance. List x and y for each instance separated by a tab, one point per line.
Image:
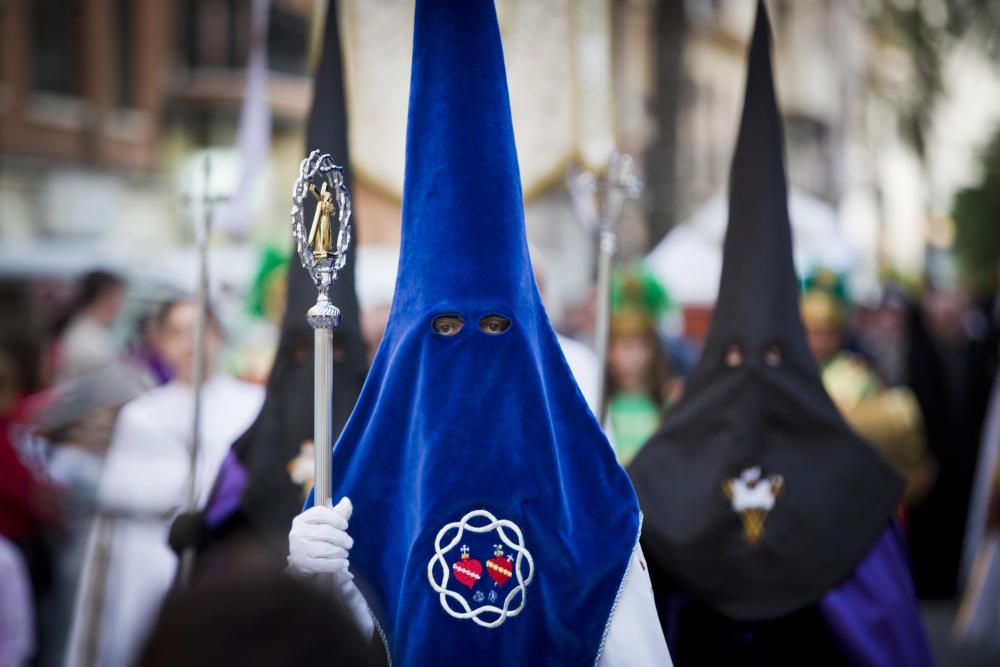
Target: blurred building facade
841	83
107	107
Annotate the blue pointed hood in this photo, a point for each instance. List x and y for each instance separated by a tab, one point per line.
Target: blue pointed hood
492	521
461	165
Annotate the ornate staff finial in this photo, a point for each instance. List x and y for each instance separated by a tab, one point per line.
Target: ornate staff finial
599	203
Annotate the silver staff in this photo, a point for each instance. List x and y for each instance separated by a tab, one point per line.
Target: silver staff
323	256
202	230
619	183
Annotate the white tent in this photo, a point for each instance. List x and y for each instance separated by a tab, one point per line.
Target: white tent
688	261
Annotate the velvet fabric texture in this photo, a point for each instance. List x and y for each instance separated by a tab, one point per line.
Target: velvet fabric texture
758	497
448	425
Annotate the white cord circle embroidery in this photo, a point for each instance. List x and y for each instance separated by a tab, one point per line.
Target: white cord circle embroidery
494	616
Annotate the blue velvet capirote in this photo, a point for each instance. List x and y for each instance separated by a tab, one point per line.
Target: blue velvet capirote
447	425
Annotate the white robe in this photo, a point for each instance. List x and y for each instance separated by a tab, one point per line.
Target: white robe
144	484
635	638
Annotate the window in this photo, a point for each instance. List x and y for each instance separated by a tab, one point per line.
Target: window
55	46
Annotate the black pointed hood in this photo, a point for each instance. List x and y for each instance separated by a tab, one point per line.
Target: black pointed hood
270	498
758	498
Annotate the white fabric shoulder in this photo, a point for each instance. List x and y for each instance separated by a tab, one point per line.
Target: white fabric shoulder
635	638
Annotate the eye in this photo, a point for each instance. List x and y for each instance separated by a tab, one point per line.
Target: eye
734	356
772	355
447	325
494	324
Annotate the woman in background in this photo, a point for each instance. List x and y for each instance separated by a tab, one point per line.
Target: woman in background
638	378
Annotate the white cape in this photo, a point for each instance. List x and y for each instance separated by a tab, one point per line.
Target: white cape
129	567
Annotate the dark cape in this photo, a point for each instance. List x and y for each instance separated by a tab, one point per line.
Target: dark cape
254	498
768	521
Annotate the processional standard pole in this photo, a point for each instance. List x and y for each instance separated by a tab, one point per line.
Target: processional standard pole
203	228
323	252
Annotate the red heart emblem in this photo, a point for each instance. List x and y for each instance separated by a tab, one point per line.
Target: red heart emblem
468	571
499	569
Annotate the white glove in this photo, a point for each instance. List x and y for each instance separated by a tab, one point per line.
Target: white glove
319	544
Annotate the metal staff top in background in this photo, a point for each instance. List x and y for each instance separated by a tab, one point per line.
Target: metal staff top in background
323	256
599	203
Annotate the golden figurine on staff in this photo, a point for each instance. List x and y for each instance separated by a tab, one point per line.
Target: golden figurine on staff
321	232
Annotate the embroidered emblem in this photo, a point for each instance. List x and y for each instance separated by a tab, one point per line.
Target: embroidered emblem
499	567
752	497
468	571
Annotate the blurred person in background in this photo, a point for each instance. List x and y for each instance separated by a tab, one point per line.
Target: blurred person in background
129	566
948	369
78	424
83	340
883	336
260	321
638	381
888	418
143	351
254	618
28	502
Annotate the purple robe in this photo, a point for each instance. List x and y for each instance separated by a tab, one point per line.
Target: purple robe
874	612
870	619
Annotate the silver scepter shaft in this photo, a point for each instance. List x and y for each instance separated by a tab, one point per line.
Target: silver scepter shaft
323	411
323	420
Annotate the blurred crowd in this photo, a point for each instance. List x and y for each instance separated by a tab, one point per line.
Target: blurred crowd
95	428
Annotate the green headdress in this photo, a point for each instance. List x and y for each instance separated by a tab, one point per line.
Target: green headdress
638	301
824	301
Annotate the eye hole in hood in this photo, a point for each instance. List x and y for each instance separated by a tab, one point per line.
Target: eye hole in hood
494	324
772	355
734	355
447	325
